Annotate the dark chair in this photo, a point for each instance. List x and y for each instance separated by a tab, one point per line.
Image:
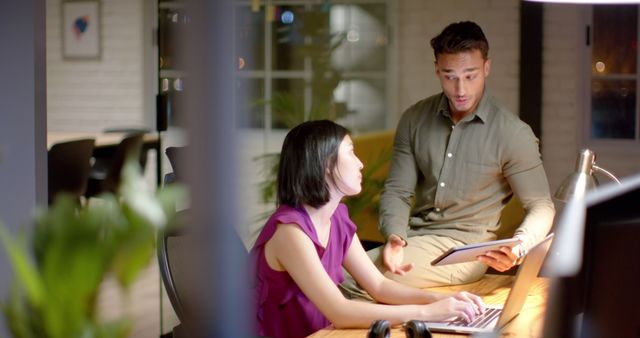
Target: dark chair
170	246
176	156
131	131
169	178
177	247
68	167
105	172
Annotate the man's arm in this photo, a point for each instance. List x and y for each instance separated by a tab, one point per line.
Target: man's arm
525	174
532	188
399	188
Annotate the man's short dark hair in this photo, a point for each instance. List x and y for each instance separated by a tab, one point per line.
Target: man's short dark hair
309	151
460	37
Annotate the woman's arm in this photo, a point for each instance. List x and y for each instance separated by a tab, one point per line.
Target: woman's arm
291	250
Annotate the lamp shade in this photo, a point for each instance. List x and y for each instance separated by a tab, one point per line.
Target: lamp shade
581	180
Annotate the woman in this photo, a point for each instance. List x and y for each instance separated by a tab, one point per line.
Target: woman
300	252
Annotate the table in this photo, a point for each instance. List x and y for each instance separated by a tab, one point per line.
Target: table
494	290
102	139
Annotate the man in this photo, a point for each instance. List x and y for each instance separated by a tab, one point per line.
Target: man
458	158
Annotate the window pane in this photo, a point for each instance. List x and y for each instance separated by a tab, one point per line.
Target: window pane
614	43
365	102
613	109
312	50
250	103
364	29
250	46
288	103
170	23
298	33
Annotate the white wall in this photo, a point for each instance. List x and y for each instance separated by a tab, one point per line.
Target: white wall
90	95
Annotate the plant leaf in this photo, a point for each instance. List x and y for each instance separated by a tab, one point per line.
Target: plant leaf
24	269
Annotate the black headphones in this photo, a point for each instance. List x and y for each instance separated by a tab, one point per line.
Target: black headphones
412	329
379	329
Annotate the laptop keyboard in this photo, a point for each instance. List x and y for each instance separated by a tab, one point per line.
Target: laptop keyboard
481	321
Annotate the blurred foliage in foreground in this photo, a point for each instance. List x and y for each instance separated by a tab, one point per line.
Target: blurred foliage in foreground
72	249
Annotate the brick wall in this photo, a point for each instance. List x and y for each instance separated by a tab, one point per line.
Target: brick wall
562	84
420	20
90	95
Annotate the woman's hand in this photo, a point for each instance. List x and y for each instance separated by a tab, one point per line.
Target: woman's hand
393	254
462	305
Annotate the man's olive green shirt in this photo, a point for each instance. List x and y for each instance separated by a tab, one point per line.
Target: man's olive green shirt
454	179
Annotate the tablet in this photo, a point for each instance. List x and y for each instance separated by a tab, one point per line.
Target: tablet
470	252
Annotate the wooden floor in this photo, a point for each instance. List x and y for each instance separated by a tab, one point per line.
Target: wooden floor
141	304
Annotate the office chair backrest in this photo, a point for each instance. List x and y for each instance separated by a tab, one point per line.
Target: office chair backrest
177	249
130	131
168	261
130	146
106	177
68	167
105	172
176	156
186	286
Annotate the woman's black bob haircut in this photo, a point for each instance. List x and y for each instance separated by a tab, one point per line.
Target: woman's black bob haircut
309	152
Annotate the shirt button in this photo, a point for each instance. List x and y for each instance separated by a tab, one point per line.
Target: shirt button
442	184
453	126
449	155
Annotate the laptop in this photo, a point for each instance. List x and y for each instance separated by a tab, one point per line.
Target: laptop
496	317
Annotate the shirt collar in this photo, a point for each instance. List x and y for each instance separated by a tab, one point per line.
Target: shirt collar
482	111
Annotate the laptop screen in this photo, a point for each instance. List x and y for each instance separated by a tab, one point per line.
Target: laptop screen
527	273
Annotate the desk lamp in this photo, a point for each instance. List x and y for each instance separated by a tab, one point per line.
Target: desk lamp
566	249
582	179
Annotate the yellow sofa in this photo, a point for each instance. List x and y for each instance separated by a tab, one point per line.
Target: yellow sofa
374	150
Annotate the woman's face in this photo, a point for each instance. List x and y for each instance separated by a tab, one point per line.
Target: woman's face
347	170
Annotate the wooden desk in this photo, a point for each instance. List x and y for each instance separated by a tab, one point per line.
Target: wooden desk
494	290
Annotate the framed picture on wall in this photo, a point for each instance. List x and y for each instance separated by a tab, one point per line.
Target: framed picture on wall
81	29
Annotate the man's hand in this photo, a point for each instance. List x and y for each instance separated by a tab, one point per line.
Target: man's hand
503	259
392	255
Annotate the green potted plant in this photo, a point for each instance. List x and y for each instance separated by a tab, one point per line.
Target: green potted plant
72	249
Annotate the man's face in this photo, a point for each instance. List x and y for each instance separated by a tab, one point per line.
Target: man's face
462	78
